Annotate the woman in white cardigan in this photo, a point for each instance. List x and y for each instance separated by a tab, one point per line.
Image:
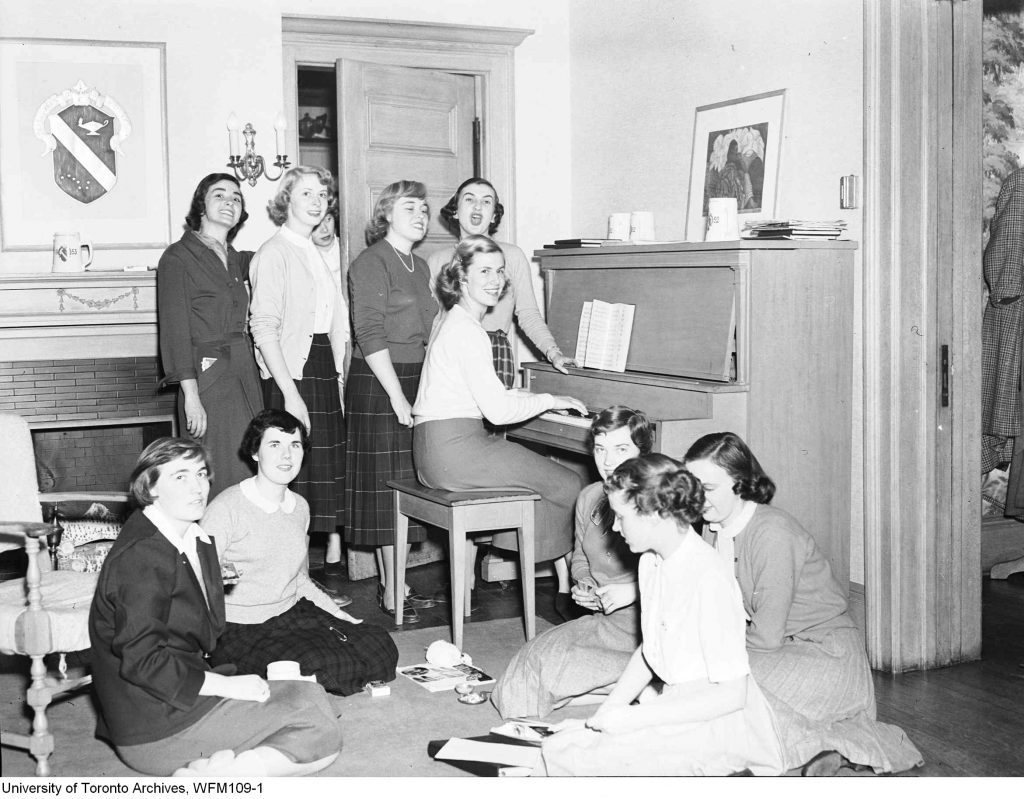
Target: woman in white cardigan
299	323
452	450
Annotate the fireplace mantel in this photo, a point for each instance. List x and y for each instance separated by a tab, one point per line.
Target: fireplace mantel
77	315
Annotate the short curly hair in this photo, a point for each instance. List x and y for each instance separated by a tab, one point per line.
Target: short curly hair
377	227
452	275
658	484
450	212
277	208
155	457
194	218
265	420
732	454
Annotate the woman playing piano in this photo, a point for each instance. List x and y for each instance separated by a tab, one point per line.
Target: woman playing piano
805	651
452	450
587	655
474	210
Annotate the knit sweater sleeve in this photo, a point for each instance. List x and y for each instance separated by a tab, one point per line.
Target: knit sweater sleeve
528	315
775	557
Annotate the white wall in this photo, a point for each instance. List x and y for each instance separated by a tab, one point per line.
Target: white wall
225	55
640	69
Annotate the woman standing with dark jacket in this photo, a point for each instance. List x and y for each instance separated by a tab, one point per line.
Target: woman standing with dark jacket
202	308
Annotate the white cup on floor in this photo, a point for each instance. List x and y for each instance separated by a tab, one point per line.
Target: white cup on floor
283	670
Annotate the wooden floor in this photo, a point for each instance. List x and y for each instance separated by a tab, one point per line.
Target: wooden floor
967	720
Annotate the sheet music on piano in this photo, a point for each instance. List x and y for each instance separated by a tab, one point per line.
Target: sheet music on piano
605	329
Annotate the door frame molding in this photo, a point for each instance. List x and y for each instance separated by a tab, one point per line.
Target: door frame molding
484	52
922	290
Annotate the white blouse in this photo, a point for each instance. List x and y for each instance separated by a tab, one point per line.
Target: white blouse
458	379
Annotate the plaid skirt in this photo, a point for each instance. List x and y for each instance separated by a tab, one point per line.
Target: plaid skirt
314	638
379	449
321	479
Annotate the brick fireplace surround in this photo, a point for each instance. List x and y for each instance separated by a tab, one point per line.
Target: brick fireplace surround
78	361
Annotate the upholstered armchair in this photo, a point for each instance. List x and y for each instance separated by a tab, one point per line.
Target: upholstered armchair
47	612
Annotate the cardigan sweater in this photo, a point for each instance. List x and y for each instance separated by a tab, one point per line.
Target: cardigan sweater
459	382
284	306
151	629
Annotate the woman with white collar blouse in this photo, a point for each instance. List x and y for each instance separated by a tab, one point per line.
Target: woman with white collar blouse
158	610
299	321
452	449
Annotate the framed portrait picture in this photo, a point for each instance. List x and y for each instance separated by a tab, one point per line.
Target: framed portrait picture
83	143
736	147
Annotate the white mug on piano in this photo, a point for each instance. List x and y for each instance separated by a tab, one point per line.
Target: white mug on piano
67	252
723	224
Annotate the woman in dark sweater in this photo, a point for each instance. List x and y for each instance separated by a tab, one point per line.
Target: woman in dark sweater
202	307
158	610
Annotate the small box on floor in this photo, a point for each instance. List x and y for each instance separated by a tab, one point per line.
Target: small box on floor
377	688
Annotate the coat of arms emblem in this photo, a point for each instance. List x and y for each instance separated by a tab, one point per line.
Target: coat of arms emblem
84	130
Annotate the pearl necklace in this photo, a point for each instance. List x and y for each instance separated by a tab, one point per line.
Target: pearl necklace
412	267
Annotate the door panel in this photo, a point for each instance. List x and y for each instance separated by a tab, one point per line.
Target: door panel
400	123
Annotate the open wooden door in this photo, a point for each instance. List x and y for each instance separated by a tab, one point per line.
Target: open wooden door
400	123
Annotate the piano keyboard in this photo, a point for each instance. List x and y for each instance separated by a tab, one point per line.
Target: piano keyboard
565	418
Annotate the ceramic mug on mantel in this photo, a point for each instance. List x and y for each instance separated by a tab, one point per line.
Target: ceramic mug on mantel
67	252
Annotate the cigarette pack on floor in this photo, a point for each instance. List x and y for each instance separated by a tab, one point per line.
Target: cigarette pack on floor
377	688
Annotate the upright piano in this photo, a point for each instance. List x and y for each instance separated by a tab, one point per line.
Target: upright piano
750	336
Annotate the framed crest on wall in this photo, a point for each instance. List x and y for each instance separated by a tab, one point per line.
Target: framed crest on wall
83	143
736	148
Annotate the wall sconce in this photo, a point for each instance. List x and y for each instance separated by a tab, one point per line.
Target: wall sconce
250	166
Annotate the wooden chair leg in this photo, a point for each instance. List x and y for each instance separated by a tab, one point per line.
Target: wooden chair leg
401	546
526	566
457	572
39	696
468	576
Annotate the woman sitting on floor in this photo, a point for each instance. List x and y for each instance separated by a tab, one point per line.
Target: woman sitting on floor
452	450
158	608
275	612
805	650
589	653
709	718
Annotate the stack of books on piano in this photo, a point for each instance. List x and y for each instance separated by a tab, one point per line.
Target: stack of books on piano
794	229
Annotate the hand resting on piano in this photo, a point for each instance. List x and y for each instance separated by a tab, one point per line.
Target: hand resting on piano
563	417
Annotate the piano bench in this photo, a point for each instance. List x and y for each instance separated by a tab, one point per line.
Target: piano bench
463	513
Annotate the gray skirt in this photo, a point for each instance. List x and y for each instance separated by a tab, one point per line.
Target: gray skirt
460	455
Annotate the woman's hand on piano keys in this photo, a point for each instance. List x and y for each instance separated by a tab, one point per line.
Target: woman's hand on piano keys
569	404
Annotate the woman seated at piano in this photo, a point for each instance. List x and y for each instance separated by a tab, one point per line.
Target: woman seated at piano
452	450
474	210
805	651
584	657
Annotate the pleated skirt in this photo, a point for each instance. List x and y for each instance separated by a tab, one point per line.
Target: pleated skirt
379	449
461	455
821	692
321	481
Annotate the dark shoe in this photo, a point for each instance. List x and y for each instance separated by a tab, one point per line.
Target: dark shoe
824	764
409	614
336	569
330	584
564	606
417	600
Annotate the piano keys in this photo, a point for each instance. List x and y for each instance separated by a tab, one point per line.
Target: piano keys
755	337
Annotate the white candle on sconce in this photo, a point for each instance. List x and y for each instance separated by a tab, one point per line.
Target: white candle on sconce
233	134
280	126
